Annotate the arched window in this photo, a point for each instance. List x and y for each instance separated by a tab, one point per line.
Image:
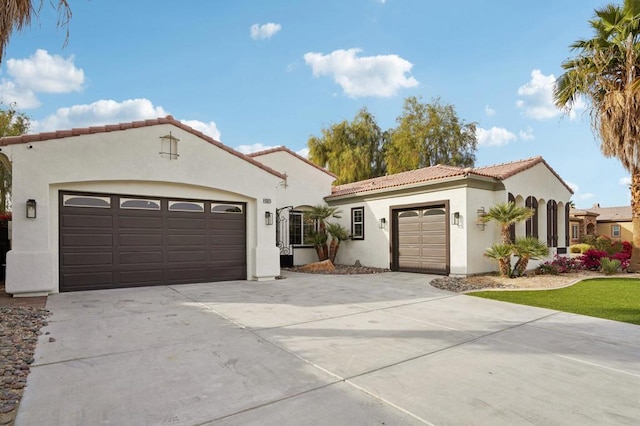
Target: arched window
567	210
531	226
512	227
552	223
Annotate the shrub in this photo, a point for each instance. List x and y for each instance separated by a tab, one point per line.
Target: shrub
609	266
589	239
579	248
560	265
591	259
606	244
623	258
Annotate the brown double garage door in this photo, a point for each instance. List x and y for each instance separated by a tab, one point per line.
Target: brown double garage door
112	241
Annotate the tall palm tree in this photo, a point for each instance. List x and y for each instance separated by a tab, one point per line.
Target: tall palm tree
606	73
506	214
17	14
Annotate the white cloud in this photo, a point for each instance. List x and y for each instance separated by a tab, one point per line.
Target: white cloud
527	134
39	73
268	30
256	147
209	129
45	73
11	93
586	196
573	186
495	136
99	113
304	152
381	75
626	181
537	94
489	111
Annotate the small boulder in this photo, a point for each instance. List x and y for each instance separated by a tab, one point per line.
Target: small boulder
324	266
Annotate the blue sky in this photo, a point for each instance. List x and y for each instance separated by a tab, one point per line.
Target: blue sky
259	74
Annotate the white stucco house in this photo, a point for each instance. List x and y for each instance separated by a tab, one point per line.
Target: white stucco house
156	202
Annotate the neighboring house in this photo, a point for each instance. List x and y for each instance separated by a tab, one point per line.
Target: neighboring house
612	222
156	202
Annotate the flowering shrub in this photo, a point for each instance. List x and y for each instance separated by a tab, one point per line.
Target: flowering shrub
5	216
560	265
591	259
623	257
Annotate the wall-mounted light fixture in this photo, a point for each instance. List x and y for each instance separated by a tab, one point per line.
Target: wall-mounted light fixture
455	219
268	218
481	223
31	209
383	223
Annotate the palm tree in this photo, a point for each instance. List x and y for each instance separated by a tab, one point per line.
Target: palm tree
17	14
506	214
525	249
502	254
338	234
606	73
319	215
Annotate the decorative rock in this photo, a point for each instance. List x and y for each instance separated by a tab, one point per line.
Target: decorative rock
323	266
52	339
19	330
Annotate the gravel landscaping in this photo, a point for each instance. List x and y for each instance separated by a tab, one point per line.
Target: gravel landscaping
19	330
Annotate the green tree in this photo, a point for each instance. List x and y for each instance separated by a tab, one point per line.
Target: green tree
17	14
502	254
338	233
505	214
353	150
605	72
525	249
12	123
320	214
430	134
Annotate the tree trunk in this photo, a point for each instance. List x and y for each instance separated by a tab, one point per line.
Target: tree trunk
506	234
634	262
504	265
333	250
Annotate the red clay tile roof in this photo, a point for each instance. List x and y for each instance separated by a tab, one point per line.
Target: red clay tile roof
40	137
498	171
300	157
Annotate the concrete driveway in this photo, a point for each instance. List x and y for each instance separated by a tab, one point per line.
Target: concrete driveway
382	349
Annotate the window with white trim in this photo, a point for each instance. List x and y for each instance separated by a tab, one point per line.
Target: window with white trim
615	231
575	233
357	223
86	201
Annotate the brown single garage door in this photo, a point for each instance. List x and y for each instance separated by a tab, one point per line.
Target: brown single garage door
421	239
111	241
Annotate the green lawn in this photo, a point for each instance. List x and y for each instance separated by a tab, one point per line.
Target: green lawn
616	299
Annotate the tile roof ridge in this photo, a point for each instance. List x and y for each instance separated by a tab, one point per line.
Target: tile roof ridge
60	134
283	148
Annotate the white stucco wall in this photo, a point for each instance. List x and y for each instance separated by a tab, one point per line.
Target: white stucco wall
375	249
306	185
128	162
